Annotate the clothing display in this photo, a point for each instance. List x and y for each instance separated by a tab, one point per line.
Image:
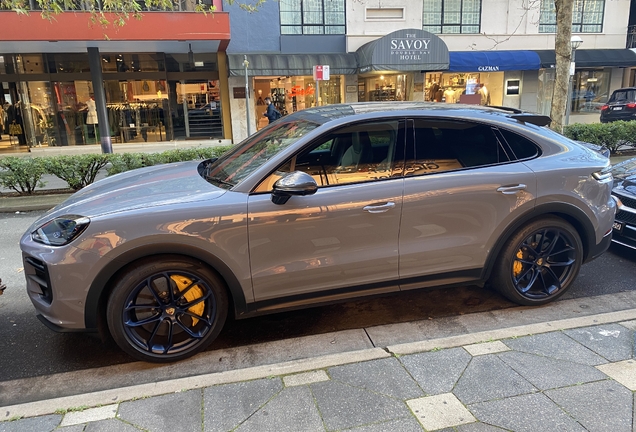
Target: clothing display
92	112
450	96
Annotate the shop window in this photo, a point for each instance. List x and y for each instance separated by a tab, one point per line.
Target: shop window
68	63
591	90
452	16
133	63
137	109
30	64
587	16
312	17
450	145
197	62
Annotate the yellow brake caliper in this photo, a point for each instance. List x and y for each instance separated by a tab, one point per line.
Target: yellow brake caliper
517	266
193	294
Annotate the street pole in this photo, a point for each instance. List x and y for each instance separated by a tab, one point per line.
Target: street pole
575	42
247	96
317	92
95	65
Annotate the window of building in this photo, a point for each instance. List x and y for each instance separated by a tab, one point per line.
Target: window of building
312	17
587	16
451	16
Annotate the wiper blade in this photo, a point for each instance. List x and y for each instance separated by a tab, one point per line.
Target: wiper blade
218	180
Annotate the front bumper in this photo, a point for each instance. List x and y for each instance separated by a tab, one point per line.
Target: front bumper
624	232
626	235
600	248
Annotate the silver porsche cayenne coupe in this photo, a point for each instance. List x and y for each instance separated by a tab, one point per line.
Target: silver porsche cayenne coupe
326	204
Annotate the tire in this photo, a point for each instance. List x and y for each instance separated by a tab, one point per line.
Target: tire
166	309
539	262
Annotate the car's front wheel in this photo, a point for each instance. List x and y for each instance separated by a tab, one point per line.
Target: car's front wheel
166	309
539	262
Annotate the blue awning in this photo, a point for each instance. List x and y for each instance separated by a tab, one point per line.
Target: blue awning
493	61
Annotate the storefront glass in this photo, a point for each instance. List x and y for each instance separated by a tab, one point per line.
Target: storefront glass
291	94
136	110
38	124
480	88
590	90
142	104
389	87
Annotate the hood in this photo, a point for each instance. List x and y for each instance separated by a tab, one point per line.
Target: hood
145	187
623	170
628	186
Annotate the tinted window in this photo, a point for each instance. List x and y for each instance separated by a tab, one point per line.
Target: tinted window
358	153
522	147
449	145
623	96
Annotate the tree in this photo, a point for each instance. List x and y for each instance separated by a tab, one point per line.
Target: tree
563	51
122	10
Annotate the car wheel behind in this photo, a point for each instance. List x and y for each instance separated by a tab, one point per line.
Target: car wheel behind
539	262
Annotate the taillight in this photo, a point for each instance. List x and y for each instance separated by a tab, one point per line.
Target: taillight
631	105
604	107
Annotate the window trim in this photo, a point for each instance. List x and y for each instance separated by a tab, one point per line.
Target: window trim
441	25
579	25
302	24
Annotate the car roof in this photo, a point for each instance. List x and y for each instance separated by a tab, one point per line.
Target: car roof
624	88
327	113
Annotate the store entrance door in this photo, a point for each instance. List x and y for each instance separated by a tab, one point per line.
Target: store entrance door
196	109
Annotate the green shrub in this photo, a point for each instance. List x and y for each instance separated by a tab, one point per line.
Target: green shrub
22	175
611	135
77	171
121	162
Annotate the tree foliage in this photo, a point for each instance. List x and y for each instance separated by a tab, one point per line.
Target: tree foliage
117	12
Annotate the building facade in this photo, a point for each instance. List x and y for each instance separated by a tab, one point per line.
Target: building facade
65	83
177	76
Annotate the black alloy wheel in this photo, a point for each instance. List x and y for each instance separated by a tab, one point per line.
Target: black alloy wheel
168	310
539	263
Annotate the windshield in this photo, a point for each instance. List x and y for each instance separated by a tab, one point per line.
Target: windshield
256	150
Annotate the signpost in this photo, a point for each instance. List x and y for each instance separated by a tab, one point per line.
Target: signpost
321	73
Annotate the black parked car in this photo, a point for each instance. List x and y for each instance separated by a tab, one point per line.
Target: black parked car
624	192
620	106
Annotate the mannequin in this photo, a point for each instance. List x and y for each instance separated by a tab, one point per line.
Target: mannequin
91	118
485	97
449	95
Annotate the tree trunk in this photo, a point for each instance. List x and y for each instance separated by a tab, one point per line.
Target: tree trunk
563	50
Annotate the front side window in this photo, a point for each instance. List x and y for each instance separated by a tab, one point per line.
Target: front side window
446	145
353	154
234	166
451	16
587	16
312	17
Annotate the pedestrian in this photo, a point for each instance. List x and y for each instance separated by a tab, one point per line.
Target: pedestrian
272	113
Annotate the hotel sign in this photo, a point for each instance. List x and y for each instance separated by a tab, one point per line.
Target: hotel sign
404	50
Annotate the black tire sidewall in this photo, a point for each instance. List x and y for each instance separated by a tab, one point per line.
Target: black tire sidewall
502	273
134	275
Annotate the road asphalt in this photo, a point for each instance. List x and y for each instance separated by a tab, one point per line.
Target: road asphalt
568	366
478	372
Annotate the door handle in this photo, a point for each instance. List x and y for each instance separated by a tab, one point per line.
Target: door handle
511	190
381	208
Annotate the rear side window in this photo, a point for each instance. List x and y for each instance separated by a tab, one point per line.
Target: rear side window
623	96
522	147
446	145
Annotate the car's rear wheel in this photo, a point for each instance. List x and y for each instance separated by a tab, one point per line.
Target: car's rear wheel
539	262
166	309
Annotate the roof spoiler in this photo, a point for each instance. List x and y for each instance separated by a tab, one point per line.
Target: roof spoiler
525	117
535	119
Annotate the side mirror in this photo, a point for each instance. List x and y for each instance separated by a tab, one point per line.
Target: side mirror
295	183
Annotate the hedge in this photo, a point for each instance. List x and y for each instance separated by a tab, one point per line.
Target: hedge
24	174
612	135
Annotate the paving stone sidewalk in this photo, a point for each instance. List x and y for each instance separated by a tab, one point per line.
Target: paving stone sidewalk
582	379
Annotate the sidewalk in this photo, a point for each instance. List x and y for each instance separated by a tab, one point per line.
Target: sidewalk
573	374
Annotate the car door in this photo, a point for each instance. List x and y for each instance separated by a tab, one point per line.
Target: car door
344	238
461	188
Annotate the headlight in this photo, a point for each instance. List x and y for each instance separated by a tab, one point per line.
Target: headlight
61	230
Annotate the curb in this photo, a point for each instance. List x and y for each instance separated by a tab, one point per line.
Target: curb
31	203
106	397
